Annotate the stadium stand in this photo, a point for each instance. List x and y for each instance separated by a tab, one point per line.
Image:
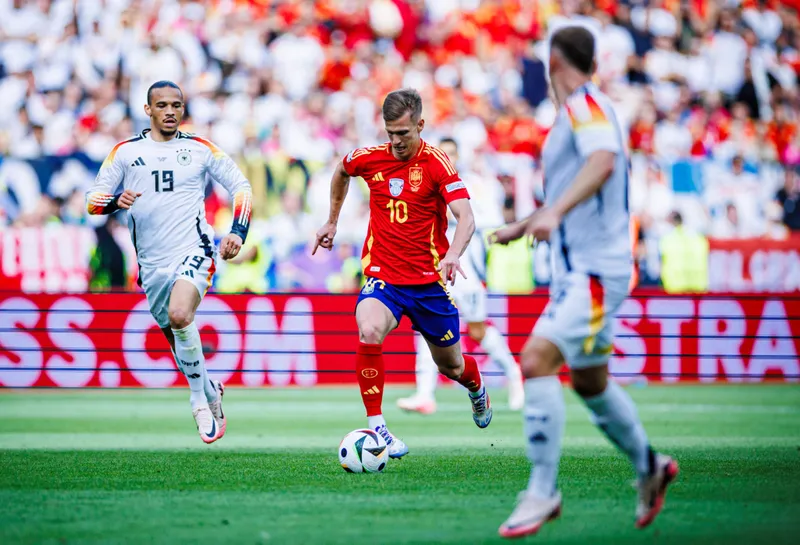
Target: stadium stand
707	90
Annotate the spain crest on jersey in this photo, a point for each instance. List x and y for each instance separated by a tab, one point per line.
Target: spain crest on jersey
396	186
415	178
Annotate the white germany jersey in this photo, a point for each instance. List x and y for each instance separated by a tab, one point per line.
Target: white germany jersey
594	237
168	220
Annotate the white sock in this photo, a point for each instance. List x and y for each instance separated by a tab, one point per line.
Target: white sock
211	393
375	422
544	417
189	352
426	371
613	412
497	348
479	393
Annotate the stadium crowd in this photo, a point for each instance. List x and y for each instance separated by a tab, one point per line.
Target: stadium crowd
706	89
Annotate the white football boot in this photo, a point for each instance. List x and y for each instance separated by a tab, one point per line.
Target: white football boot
417	404
516	393
530	515
397	449
216	408
653	489
206	424
481	409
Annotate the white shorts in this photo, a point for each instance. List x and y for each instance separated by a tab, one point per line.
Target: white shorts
157	282
470	298
469	293
579	317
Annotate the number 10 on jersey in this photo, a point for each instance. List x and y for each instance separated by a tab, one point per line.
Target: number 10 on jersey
166	179
398	211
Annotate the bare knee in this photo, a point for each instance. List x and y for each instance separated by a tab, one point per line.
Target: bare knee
183	301
591	381
180	318
449	360
450	367
540	358
476	331
374	320
371	333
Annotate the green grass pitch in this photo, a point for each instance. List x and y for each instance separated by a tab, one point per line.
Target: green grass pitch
128	467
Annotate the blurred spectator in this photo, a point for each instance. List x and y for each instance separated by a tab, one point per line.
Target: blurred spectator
108	262
248	272
292	227
653	19
728	52
615	48
509	268
764	21
46	212
684	256
729	225
672	139
788	197
297	58
350	276
287	87
733	199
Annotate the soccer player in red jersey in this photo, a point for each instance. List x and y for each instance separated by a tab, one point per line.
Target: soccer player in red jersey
406	257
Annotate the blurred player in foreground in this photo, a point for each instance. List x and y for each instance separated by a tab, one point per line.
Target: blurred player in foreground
470	297
585	219
406	255
163	172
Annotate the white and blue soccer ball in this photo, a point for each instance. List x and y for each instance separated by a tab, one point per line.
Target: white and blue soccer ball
363	451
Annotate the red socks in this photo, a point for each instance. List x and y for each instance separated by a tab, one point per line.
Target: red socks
369	369
471	377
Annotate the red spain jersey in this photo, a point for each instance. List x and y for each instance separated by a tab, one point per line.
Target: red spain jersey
407	211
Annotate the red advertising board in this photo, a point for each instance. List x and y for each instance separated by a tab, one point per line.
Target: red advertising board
52	259
299	339
754	265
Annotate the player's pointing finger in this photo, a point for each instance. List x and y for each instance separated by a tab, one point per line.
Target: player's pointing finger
316	245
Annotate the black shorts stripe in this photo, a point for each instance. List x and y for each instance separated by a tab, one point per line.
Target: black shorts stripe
205	243
564	249
136	249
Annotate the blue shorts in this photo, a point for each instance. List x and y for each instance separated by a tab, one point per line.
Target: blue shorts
429	307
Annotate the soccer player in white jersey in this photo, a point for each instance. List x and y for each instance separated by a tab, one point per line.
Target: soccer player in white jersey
585	219
471	298
163	172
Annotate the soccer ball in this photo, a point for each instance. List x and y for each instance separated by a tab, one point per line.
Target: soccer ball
363	451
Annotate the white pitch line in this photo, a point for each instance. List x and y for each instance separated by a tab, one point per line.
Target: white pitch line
269	442
327	409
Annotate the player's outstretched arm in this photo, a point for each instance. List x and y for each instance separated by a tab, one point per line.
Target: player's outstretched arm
227	173
100	199
590	179
510	232
340	183
465	228
597	169
231	244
